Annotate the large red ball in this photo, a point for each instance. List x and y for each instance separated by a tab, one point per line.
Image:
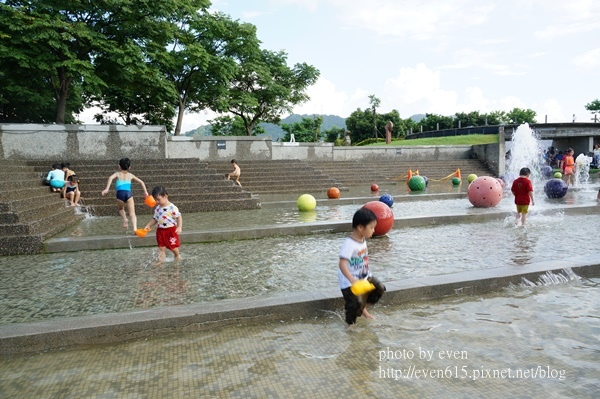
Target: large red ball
385	216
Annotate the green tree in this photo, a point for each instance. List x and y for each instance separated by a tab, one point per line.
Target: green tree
375	103
334	134
360	124
519	116
226	125
435	122
203	59
264	87
306	131
594	108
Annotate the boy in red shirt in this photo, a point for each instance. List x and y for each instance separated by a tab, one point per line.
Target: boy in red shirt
522	189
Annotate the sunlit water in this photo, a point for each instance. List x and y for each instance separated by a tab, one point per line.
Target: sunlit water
39	287
547	336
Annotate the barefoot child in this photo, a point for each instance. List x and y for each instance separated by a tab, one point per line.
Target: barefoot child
522	189
235	175
169	221
72	192
124	194
354	265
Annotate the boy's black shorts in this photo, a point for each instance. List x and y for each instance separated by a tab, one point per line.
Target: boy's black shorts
355	304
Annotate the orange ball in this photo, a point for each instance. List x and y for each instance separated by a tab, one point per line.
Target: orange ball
333	193
374	187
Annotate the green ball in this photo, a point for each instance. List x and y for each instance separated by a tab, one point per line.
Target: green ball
558	175
471	177
416	183
456	181
306	203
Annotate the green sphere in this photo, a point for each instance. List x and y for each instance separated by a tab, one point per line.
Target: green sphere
306	203
456	181
558	175
416	183
471	177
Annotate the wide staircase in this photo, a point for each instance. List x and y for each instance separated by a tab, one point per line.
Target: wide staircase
348	173
191	185
274	177
29	212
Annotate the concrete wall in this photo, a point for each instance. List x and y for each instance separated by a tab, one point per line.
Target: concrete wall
34	141
220	148
490	155
76	142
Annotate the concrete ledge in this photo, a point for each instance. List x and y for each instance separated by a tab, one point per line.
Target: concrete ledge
110	328
71	244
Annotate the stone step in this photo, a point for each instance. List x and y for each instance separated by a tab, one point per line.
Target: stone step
29	209
176	197
44	224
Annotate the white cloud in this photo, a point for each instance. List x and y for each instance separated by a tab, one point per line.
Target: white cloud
421	20
325	99
310	5
588	60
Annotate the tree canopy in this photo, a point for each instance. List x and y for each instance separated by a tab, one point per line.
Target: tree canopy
144	61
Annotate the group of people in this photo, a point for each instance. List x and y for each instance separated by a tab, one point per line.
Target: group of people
563	160
63	180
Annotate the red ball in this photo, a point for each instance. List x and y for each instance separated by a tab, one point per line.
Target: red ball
485	192
333	193
374	187
385	217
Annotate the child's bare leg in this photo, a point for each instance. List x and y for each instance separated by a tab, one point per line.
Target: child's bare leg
366	314
523	219
77	196
123	214
161	255
131	210
176	253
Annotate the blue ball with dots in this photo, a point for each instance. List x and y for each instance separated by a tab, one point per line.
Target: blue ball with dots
387	199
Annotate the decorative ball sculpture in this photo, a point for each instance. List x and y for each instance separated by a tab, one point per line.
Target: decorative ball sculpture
546	171
333	193
455	181
471	177
501	182
416	183
485	192
555	188
306	203
426	180
558	175
385	216
374	187
387	199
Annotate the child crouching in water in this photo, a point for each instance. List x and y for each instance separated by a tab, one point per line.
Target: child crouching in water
169	221
354	265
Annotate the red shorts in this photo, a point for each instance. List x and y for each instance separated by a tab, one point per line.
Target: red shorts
167	237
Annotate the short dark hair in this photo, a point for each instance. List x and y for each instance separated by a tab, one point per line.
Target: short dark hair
233	161
363	217
159	190
65	165
524	172
125	163
73	178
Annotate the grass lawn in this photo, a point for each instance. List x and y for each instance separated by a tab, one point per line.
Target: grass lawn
467	139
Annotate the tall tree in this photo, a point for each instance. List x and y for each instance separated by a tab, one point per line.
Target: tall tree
594	108
519	116
264	87
360	124
306	131
226	125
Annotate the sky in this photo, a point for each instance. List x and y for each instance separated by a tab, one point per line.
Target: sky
434	56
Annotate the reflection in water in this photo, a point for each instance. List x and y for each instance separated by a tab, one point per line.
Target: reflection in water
524	245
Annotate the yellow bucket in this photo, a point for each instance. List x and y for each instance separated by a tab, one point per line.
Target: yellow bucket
362	287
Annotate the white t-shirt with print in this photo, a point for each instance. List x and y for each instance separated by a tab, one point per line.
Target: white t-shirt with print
166	216
358	260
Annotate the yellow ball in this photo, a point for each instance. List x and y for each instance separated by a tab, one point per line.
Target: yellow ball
471	177
306	203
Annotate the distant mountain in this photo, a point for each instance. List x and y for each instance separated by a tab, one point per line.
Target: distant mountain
276	132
